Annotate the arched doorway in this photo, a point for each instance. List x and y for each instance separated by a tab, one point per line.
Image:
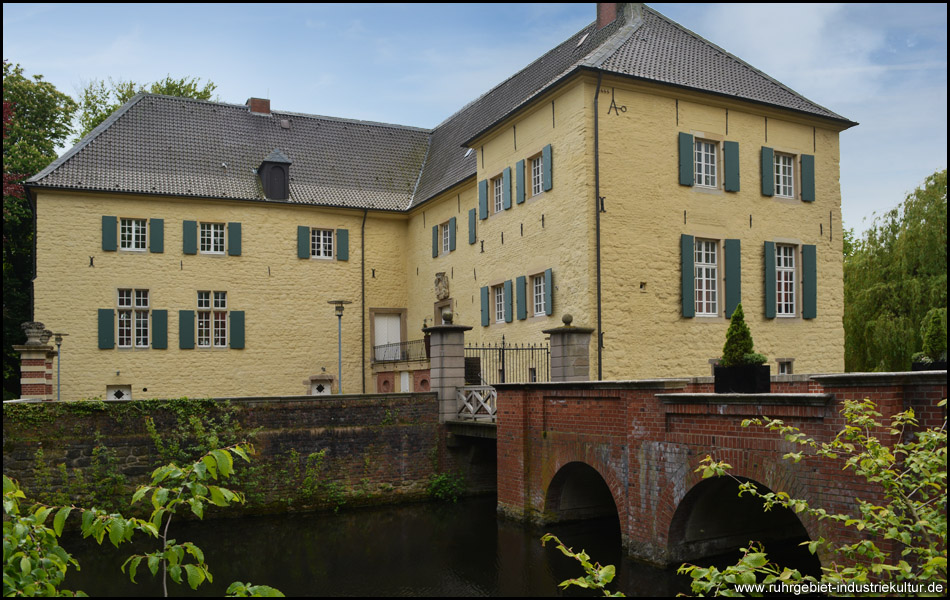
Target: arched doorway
712	520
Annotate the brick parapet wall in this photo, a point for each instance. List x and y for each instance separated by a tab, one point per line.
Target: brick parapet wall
379	448
647	438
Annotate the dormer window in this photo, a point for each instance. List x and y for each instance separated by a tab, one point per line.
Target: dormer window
275	176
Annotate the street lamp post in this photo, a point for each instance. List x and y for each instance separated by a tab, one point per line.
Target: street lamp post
339	336
58	337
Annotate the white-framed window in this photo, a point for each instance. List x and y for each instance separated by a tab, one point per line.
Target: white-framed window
133	309
785	366
705	169
212	319
132	234
446	237
785	280
537	295
321	243
784	175
706	269
537	178
212	238
499	294
498	196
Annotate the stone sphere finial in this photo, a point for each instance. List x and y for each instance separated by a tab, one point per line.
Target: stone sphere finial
447	316
567	319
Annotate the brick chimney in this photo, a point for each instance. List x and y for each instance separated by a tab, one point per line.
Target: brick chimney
606	13
259	105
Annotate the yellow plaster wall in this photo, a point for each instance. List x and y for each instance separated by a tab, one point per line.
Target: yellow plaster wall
290	330
645	334
562	243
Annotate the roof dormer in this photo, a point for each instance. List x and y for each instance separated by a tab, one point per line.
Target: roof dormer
275	176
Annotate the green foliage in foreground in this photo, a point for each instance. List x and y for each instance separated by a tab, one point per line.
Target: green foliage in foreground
911	476
895	273
35	564
596	578
446	487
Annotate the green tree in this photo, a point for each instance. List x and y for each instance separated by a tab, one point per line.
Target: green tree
895	274
36	120
738	349
99	99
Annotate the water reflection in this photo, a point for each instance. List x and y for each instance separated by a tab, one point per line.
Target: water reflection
414	550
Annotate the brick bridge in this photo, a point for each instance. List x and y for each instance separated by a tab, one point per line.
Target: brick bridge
584	449
576	449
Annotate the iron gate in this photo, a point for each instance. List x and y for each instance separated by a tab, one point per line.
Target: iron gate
488	364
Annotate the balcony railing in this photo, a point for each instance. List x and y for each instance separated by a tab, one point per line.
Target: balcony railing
400	351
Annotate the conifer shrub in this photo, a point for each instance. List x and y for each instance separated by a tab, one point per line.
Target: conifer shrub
738	350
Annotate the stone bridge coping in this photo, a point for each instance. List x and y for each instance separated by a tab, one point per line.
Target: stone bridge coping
876	379
797	399
329	398
633	384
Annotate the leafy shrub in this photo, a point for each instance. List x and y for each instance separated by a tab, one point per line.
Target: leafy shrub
446	487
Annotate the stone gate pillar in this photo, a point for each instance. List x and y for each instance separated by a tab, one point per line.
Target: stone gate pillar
447	364
36	362
570	351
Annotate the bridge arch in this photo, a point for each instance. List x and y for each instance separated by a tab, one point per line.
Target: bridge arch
712	519
578	491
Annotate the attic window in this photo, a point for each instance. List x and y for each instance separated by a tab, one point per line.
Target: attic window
275	176
583	38
285	123
467	153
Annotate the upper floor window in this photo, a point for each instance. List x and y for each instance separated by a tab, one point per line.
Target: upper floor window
537	178
785	280
706	263
133	308
704	169
132	234
784	175
212	238
498	197
446	238
321	243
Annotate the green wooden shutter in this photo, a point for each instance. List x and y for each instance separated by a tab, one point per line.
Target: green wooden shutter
687	272
186	329
343	244
521	304
110	232
549	292
506	188
234	239
189	237
519	182
730	152
106	329
303	241
483	199
237	329
733	275
547	168
686	159
472	218
768	172
156	235
452	223
160	329
808	178
486	314
770	299
809	282
435	241
508	293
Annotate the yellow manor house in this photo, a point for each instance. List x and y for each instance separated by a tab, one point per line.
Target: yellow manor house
636	176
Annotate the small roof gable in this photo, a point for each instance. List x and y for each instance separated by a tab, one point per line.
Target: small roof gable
276	156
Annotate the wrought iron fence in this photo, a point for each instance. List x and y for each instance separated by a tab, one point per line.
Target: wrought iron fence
399	351
488	364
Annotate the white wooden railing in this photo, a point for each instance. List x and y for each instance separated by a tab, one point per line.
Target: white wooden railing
477	402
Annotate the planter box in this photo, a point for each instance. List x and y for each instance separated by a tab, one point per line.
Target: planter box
748	379
937	365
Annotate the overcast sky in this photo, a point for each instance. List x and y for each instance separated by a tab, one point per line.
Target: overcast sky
882	65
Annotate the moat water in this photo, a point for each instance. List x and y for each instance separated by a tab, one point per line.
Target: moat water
458	549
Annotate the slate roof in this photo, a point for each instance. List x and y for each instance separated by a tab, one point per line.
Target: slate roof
182	147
